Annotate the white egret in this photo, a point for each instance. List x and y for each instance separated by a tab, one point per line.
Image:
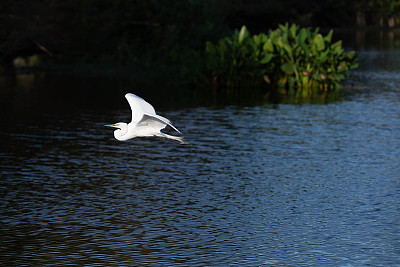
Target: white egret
145	122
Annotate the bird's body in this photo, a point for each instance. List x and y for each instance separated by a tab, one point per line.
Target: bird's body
145	122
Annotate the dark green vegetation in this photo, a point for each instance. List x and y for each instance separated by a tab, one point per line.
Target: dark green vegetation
162	41
288	57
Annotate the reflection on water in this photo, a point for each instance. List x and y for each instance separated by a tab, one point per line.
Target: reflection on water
369	38
269	185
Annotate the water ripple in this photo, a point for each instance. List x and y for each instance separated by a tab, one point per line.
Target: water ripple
271	185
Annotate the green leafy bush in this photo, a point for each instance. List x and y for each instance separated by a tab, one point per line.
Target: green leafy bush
239	60
288	57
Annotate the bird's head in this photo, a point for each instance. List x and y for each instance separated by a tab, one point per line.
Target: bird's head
122	129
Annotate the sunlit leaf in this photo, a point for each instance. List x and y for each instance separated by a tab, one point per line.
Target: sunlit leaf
328	38
242	34
268	46
319	42
266	59
293	30
288	68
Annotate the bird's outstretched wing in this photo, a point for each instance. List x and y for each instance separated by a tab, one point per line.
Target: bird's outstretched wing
139	107
156	121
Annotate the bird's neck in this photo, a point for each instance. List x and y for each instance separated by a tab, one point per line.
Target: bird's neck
120	134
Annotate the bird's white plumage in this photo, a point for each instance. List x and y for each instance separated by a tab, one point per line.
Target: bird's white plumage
145	122
139	106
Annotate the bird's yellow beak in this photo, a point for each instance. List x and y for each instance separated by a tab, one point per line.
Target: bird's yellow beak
109	125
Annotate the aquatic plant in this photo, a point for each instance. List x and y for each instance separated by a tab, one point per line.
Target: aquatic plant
309	60
287	57
239	60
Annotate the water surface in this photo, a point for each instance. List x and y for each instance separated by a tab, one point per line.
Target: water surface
263	185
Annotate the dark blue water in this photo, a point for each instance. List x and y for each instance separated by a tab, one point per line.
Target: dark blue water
264	185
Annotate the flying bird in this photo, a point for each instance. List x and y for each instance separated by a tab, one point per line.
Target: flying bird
145	122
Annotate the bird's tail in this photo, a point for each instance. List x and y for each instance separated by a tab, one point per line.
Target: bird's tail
176	138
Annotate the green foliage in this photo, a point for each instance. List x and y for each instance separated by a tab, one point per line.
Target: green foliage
307	59
241	60
290	57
